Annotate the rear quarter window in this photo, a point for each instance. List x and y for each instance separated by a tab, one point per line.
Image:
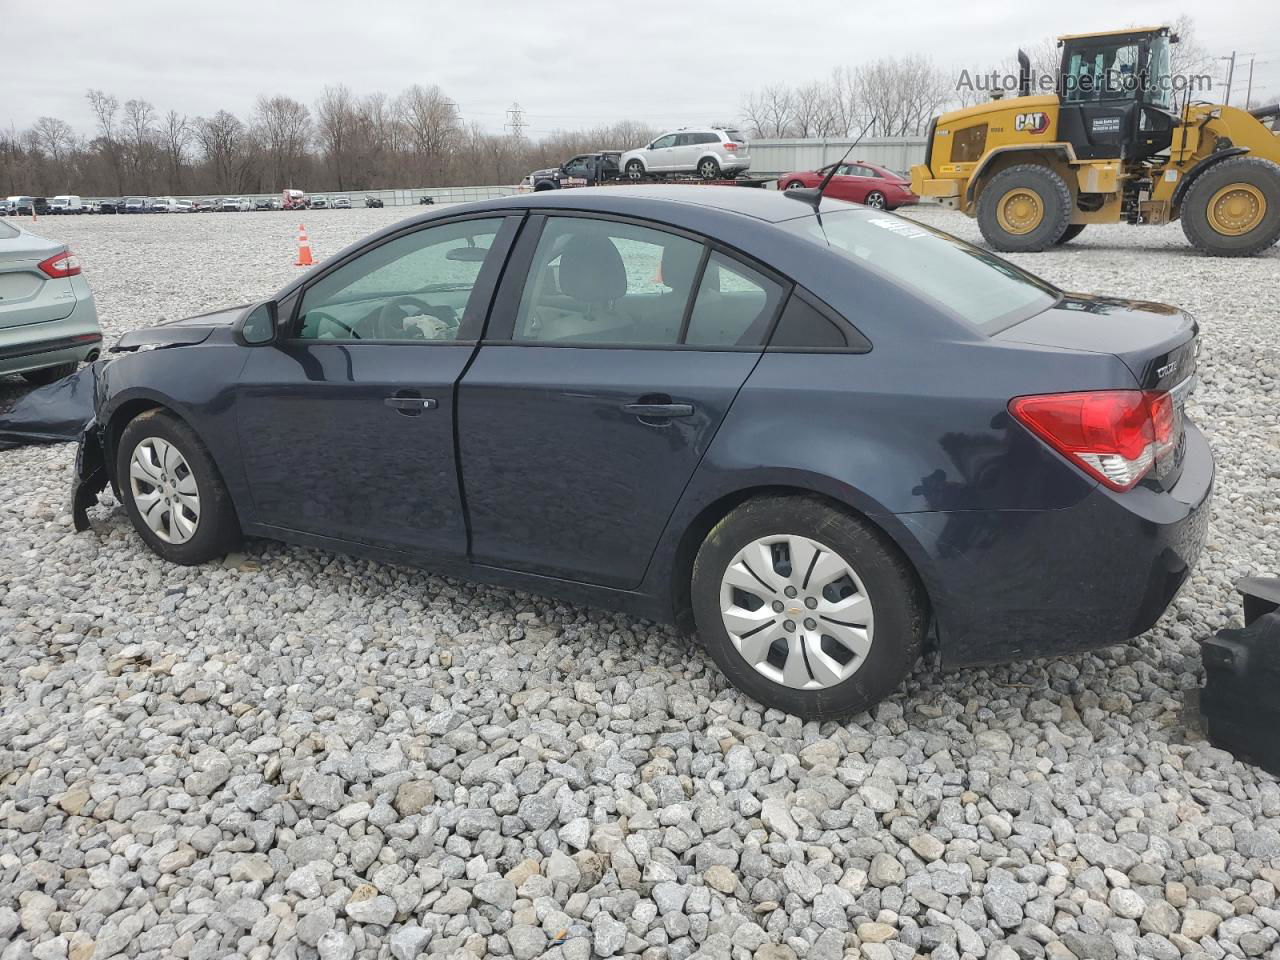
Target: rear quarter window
966	281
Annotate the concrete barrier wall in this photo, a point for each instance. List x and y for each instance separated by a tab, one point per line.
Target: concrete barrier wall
773	157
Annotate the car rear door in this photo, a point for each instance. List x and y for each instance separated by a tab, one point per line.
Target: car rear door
346	422
614	351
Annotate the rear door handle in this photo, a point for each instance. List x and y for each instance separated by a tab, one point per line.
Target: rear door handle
658	411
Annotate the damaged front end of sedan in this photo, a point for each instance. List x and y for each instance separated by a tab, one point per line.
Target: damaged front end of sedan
72	408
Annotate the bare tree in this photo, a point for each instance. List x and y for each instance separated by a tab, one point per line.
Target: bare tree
769	112
283	129
431	121
55	137
176	135
139	137
105	107
222	139
337	125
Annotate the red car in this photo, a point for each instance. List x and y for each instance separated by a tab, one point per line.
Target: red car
859	182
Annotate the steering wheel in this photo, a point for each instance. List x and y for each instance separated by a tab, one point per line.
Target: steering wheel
322	315
391	319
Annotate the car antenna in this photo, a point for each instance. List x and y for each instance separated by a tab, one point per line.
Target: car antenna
813	195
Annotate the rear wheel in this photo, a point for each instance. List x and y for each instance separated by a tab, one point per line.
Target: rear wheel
1073	231
49	375
876	199
709	169
806	608
1024	209
1233	208
172	490
635	170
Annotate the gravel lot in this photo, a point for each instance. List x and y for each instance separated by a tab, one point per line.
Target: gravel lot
294	754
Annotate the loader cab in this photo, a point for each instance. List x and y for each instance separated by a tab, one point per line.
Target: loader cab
1116	94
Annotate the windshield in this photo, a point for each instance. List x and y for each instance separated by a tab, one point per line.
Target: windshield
971	283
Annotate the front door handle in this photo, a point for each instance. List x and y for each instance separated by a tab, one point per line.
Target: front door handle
658	411
410	406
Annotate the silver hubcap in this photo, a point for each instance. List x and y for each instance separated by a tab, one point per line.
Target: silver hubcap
709	170
875	200
164	490
796	611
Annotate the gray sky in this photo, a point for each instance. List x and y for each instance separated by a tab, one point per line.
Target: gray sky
660	64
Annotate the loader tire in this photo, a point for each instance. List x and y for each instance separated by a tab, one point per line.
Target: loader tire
1024	209
1071	233
1233	208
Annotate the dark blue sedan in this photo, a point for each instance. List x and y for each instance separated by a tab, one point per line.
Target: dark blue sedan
821	438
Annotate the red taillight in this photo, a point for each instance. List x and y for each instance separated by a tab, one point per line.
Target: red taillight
64	264
1114	435
731	147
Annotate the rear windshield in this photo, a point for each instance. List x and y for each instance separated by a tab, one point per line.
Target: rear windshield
735	136
965	280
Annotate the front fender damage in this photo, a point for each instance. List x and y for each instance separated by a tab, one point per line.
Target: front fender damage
90	476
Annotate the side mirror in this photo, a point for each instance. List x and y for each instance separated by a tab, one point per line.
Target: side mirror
258	326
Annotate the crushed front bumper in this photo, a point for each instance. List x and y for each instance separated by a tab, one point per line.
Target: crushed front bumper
90	477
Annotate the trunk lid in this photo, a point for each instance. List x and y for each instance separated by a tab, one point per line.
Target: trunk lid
28	296
1157	342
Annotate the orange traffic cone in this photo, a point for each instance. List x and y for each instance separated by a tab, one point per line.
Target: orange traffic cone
304	248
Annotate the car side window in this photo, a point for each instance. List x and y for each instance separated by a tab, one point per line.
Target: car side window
415	287
602	282
684	140
735	305
668	141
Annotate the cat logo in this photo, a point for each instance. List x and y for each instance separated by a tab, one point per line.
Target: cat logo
1031	122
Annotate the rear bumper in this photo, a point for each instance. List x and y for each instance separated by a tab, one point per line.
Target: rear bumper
74	338
1010	585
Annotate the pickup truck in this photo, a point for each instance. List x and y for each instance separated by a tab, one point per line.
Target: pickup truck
584	170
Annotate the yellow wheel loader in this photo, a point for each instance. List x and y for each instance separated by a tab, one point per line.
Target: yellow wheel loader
1116	138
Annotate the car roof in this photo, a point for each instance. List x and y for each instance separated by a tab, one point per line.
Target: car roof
771	206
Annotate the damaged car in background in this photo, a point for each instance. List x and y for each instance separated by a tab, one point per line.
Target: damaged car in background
819	434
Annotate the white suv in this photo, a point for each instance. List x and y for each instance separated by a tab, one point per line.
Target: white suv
709	152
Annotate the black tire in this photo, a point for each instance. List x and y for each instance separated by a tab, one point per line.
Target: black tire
1055	204
1263	176
635	170
876	199
47	375
899	603
709	168
1072	231
794	185
217	529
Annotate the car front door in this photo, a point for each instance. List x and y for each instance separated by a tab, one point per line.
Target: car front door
662	154
613	353
346	422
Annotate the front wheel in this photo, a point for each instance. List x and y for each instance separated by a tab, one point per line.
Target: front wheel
173	492
1233	208
709	169
806	608
794	185
635	170
1024	209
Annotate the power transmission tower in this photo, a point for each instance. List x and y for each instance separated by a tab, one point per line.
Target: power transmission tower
515	121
